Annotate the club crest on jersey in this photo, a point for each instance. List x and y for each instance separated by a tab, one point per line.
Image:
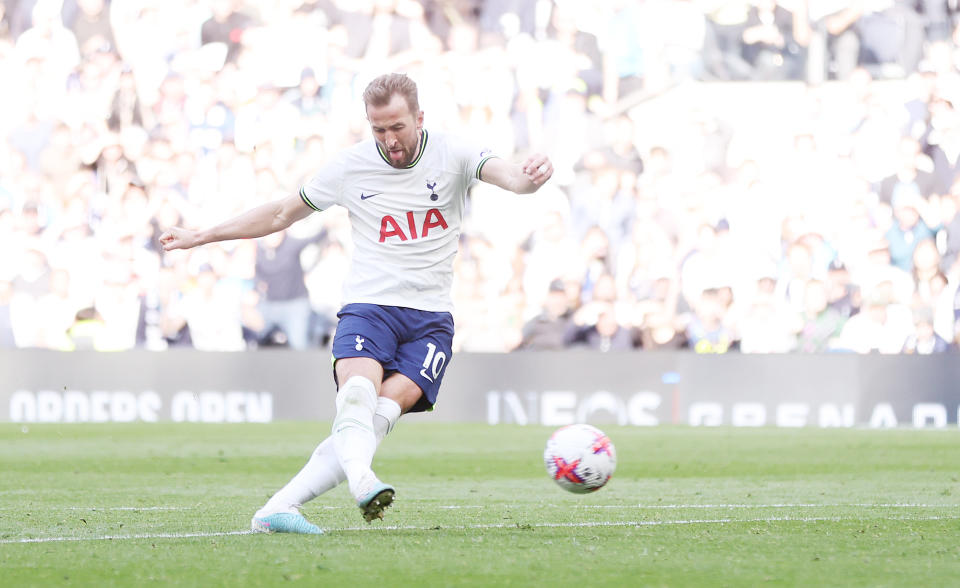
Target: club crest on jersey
433	193
391	226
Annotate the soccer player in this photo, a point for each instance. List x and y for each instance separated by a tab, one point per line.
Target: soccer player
405	191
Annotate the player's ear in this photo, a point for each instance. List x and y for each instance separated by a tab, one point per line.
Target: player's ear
420	120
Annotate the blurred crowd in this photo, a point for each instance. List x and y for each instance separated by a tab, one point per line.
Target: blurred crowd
760	176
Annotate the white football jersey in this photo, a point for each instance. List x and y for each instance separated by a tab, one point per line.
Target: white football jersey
405	222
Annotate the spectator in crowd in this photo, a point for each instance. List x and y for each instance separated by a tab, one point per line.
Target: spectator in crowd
226	25
950	227
907	230
496	15
946	309
768	44
91	26
619	149
842	294
306	97
882	326
726	22
926	272
877	268
211	311
829	33
820	324
924	341
625	58
604	212
606	334
47	39
324	276
34	277
56	311
112	167
578	47
285	301
660	332
891	34
603	291
909	178
126	109
797	271
943	141
116	304
87	332
700	266
4	21
550	329
764	329
707	332
30	137
550	251
57	162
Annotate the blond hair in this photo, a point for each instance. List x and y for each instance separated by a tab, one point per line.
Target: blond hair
381	90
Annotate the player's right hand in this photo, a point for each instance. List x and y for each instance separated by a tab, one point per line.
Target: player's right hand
538	169
178	238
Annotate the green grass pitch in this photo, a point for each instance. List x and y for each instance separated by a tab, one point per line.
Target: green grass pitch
169	504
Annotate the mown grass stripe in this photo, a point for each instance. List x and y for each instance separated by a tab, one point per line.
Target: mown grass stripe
552	505
481	526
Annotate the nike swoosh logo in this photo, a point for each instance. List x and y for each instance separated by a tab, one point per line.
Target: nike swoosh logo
365	196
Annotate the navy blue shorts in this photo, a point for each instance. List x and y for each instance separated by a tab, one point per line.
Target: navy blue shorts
415	343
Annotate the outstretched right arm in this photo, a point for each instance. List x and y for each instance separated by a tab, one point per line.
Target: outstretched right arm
256	222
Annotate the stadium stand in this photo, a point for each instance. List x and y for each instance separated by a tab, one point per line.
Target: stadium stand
751	176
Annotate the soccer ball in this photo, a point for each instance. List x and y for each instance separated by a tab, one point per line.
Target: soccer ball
580	458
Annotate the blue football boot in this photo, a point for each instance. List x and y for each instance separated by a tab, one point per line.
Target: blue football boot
284	522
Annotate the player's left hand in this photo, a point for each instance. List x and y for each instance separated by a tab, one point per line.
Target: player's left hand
538	169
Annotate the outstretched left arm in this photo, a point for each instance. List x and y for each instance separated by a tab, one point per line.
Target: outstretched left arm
524	178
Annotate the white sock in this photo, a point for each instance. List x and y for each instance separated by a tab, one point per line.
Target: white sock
386	417
323	472
353	434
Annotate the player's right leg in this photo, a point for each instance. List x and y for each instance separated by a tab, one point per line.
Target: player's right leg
363	348
321	474
401	394
413	378
364	344
353	432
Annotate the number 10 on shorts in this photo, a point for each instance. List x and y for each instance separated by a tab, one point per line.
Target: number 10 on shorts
434	362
